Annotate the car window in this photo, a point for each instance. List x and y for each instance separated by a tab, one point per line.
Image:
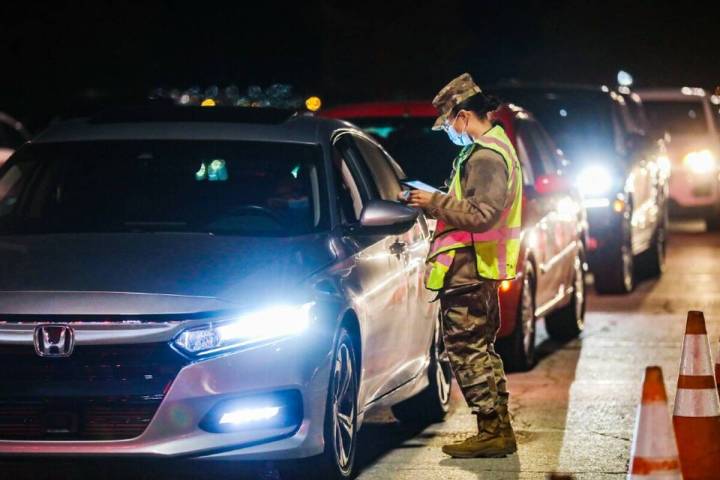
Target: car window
526	165
424	154
380	168
540	154
221	187
349	199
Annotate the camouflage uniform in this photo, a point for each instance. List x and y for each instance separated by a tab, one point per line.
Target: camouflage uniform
469	304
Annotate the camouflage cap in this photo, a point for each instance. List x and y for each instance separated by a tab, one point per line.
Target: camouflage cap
452	94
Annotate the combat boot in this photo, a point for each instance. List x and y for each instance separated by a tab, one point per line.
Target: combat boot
488	443
506	427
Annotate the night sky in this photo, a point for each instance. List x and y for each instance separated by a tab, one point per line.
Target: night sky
64	55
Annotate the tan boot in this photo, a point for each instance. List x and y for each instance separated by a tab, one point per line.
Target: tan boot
506	427
488	443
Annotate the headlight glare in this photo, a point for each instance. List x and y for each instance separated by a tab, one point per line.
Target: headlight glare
700	162
594	181
247	329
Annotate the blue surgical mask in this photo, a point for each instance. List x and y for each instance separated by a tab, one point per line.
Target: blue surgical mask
460	139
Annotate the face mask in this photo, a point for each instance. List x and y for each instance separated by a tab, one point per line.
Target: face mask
459	139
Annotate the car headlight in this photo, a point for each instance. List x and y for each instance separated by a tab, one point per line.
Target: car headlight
594	181
246	329
700	162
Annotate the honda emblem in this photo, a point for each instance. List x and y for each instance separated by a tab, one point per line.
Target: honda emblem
54	340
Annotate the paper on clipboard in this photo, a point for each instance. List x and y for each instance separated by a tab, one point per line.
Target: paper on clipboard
418	185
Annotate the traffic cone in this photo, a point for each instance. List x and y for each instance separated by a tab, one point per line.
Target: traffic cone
697	407
717	370
654	452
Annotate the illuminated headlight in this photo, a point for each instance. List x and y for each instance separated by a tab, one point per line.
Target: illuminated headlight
594	181
247	329
700	162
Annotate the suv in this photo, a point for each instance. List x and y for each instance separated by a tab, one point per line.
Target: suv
618	169
551	280
220	283
688	117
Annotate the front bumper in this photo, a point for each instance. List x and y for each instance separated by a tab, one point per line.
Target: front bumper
692	193
296	364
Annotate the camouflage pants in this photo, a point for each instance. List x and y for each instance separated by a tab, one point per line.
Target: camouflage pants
470	324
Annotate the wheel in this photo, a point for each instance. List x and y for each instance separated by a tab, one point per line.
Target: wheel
569	321
340	431
653	260
432	404
518	350
616	272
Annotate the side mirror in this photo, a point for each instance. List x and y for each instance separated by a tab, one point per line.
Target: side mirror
382	217
551	184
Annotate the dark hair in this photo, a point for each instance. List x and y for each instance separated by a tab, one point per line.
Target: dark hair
480	104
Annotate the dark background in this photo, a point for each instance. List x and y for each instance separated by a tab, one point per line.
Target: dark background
64	55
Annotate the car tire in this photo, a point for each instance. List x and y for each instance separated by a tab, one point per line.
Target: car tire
568	322
433	403
518	350
616	272
340	427
652	262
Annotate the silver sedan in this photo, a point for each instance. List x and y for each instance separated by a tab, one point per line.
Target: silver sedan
222	285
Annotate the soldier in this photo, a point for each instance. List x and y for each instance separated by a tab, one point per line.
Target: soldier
476	245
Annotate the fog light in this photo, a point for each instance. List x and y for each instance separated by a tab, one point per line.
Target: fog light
271	411
249	415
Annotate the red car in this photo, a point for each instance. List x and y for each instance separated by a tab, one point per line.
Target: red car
551	271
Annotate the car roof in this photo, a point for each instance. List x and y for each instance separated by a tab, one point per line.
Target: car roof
673	93
195	123
577	87
413	108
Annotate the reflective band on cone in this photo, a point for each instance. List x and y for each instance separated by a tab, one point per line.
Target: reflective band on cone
654	452
697	408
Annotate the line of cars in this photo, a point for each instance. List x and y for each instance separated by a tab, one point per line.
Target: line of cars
600	199
240	283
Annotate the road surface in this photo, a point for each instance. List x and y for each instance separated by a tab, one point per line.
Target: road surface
573	413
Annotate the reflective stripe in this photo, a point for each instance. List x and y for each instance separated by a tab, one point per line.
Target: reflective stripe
498	234
696	403
696	358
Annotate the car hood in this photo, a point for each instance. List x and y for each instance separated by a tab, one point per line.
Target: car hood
151	273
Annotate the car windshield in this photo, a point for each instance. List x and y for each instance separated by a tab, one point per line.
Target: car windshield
580	122
219	187
422	153
677	117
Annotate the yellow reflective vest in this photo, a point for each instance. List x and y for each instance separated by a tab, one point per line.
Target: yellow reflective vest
496	250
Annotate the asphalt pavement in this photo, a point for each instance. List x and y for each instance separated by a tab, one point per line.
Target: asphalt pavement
573	413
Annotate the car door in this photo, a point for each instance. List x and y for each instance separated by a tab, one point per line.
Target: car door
422	311
640	180
414	322
377	284
567	214
549	236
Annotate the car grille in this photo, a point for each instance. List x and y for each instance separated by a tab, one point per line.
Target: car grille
98	393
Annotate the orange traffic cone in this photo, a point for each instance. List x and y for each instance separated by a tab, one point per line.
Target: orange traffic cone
654	451
697	407
717	370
